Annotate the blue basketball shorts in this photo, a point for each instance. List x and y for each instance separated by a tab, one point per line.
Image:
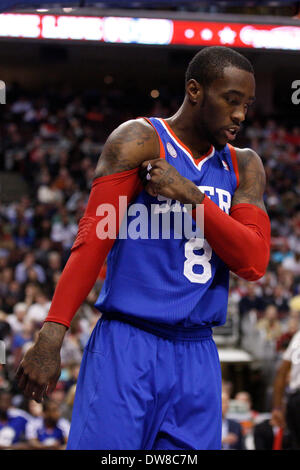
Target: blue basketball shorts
137	390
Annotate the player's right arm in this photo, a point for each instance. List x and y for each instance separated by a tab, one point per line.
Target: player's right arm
116	174
127	147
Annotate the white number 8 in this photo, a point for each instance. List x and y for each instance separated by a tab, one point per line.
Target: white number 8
193	259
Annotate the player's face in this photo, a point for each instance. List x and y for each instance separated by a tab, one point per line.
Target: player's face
225	104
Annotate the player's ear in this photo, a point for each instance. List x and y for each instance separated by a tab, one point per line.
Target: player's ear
194	91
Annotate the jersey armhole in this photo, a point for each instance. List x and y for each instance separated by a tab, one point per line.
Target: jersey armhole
234	164
162	153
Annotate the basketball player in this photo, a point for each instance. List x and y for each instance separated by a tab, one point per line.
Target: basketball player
150	375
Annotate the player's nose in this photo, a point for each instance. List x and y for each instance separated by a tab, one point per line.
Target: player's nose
238	115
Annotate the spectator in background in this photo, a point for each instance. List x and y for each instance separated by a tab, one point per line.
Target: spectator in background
292	263
21	272
47	192
282	253
287	385
13	295
42	251
6	278
53	265
16	319
291	326
72	375
21	105
271	434
19	341
248	417
5	281
59	393
34	409
30	291
4	383
38	311
227	387
232	436
24	236
64	230
295	304
279	298
286	279
252	300
245	397
41	222
12	423
269	326
49	431
268	283
54	262
71	350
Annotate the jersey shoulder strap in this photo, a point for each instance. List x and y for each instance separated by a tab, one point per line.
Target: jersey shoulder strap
155	125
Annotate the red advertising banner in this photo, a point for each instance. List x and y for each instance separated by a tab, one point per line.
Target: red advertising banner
236	35
150	31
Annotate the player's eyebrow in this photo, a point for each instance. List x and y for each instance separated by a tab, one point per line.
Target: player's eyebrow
240	94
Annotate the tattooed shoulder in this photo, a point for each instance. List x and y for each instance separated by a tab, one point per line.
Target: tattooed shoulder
127	147
252	179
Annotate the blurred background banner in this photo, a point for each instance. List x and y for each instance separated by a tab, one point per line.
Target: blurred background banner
133	29
153	4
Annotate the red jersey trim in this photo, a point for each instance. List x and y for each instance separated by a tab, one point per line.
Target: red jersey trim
234	164
162	152
196	160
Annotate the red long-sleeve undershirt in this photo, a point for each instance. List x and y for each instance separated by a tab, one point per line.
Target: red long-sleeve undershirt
241	239
88	252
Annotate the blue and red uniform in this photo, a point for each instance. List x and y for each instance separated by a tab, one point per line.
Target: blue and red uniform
150	376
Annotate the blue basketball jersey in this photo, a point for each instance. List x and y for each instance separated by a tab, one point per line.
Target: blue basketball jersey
177	282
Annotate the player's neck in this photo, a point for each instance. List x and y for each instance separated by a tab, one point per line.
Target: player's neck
181	124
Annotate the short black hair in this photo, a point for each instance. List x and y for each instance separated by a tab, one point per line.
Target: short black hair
209	63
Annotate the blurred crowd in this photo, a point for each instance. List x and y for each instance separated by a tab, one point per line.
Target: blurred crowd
53	141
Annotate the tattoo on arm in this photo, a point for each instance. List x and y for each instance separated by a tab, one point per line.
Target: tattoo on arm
126	148
252	180
192	194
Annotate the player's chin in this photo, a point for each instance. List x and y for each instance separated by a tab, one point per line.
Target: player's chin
219	142
221	139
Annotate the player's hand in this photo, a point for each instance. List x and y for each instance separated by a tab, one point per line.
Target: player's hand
159	177
40	368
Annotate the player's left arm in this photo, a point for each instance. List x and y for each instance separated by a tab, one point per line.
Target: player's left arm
251	222
252	179
242	239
